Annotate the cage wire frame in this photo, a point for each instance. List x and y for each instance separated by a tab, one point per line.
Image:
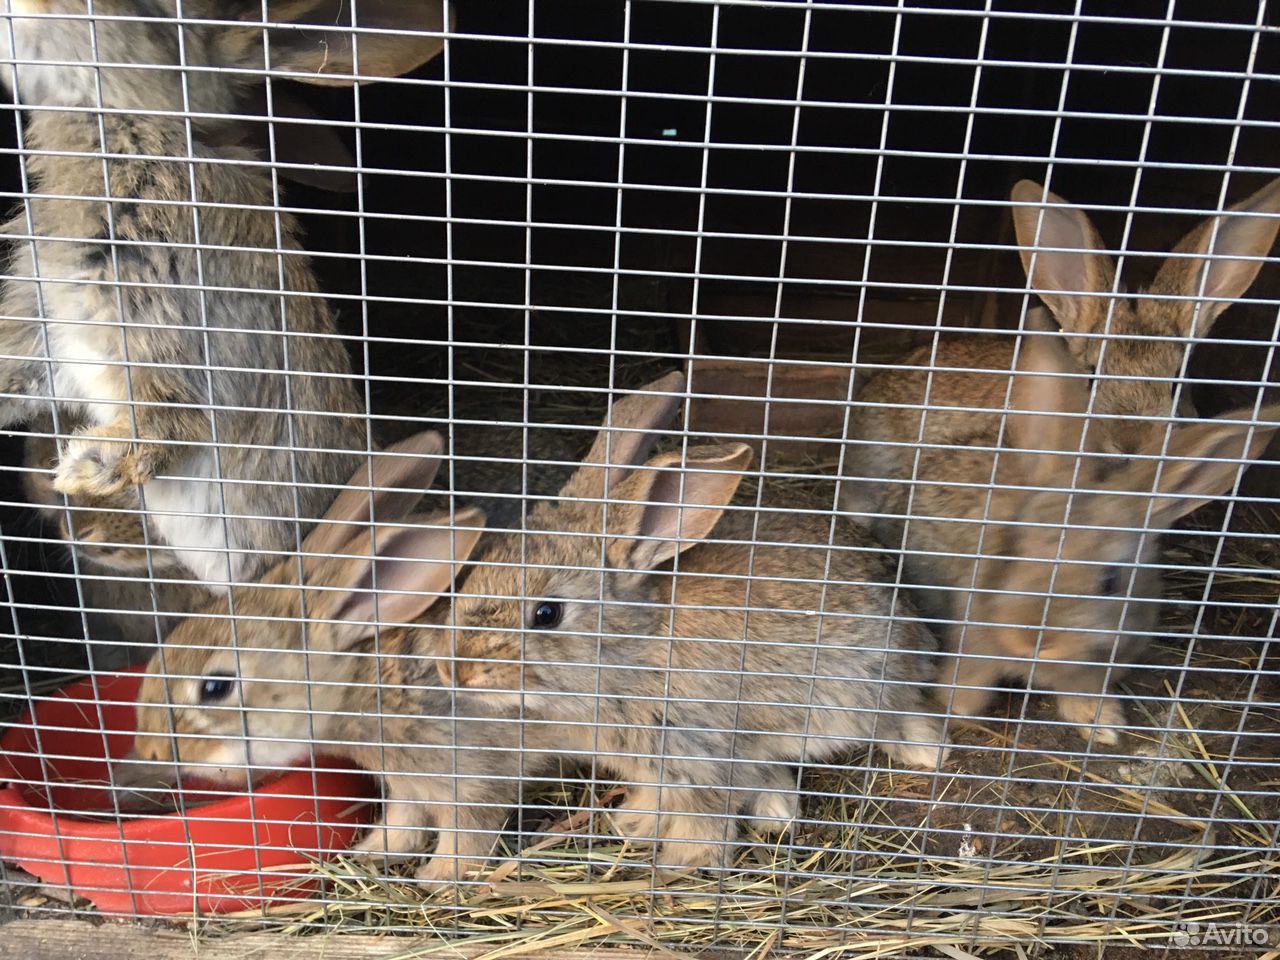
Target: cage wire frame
1028	834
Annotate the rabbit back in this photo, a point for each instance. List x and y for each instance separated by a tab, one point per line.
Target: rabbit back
826	647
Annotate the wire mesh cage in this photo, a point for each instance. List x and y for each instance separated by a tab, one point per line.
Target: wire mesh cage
771	476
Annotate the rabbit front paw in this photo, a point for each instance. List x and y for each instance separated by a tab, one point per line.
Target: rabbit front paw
1098	719
923	743
401	832
772	812
445	869
101	466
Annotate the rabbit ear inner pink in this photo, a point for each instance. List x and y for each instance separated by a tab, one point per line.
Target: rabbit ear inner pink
395	574
385	488
675	508
1246	230
1204	460
1063	257
630	432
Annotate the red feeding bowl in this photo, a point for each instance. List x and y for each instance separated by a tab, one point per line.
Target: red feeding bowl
233	853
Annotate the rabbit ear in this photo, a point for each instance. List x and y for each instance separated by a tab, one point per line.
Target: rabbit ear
392	575
1203	461
326	52
631	431
676	508
315	154
386	488
1246	230
1068	259
1047	410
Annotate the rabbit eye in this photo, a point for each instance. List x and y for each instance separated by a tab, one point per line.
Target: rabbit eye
216	688
548	614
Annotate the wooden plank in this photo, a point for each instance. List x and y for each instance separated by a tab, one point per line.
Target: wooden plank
57	939
729	397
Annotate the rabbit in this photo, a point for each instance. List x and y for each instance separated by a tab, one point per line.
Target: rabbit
1078	289
302	667
266	698
698	687
212	380
1059	587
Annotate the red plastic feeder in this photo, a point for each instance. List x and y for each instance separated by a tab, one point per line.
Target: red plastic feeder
213	858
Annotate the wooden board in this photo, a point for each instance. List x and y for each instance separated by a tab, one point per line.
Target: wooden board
729	397
57	939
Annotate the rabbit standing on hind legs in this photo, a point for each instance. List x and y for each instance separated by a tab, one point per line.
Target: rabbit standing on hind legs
176	308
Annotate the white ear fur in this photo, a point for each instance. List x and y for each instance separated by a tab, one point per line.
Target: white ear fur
683	505
396	573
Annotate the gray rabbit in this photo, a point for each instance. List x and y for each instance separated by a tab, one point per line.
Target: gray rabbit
176	329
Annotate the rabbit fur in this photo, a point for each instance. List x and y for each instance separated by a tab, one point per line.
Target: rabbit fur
699	686
122	305
1107	334
1057	589
310	671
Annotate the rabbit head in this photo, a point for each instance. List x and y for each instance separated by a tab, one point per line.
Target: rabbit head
542	598
226	693
48	36
1069	576
1069	270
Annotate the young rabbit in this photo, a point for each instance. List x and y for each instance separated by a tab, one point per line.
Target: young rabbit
1064	259
174	315
698	686
303	669
1056	586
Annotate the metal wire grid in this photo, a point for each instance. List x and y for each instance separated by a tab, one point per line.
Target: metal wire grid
863	779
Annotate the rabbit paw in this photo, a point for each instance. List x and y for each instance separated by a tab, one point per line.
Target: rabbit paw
1096	720
694	842
772	812
923	745
962	701
446	869
98	466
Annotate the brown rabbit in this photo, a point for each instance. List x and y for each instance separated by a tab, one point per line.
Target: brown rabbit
302	668
1046	552
172	318
263	696
1065	260
698	686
